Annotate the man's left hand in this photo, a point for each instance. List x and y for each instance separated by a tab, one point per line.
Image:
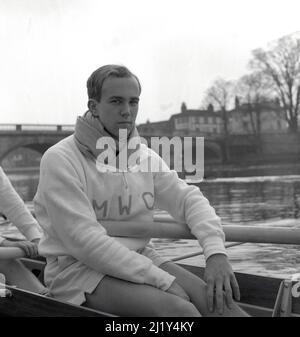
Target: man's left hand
218	276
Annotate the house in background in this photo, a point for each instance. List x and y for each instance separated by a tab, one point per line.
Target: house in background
264	118
199	123
158	129
189	122
267	117
253	131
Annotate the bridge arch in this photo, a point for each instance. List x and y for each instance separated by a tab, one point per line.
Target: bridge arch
36	140
38	147
212	152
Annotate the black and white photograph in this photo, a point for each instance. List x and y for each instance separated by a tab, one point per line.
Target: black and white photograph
149	161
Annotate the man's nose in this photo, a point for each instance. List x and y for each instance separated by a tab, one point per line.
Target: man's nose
126	110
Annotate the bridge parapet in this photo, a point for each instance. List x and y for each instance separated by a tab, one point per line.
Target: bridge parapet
36	127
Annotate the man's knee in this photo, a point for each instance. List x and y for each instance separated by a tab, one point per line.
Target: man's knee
176	307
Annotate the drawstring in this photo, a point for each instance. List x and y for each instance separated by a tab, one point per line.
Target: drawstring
124	180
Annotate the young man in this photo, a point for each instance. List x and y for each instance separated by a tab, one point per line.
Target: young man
79	187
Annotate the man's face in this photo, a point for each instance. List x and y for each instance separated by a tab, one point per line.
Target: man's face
119	104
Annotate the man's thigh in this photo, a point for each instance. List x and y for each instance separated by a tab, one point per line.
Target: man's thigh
123	298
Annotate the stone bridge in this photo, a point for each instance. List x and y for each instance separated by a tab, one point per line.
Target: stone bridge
38	137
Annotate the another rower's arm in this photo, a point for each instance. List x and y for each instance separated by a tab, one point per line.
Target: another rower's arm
16	211
29	248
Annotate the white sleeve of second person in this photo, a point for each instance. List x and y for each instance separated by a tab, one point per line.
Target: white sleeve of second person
74	221
16	211
187	204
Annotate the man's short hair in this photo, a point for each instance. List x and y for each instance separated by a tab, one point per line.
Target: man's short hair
96	80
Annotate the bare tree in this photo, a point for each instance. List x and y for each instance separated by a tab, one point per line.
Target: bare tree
252	91
280	65
220	95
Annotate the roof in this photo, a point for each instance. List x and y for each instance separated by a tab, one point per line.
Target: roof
271	106
203	113
163	125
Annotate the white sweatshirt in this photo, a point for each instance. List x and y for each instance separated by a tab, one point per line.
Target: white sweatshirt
72	199
15	210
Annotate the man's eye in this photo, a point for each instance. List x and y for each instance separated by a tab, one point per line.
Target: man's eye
134	103
115	101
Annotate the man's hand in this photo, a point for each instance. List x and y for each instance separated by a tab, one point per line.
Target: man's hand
177	290
30	248
218	276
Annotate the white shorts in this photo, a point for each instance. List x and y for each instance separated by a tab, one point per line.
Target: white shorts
69	280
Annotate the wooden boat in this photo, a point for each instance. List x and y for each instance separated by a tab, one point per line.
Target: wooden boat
258	298
260	295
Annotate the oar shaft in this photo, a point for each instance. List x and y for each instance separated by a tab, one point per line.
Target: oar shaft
166	217
200	252
259	234
174	230
11	253
164	226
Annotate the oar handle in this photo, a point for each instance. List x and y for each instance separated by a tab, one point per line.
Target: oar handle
11	253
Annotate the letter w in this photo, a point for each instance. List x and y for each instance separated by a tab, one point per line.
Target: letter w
124	208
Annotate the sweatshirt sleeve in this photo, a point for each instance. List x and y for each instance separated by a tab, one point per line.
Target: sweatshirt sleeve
187	204
16	211
72	217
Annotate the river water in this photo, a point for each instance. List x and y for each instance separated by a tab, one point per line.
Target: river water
259	200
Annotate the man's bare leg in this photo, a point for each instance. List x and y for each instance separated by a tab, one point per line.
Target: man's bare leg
123	298
196	289
17	274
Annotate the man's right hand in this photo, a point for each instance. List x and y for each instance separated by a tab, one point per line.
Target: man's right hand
177	290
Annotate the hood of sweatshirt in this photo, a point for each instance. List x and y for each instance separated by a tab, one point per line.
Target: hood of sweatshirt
110	154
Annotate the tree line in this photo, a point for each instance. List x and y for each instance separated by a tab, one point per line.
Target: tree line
274	75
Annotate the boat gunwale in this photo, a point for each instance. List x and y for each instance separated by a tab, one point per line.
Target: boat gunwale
256	300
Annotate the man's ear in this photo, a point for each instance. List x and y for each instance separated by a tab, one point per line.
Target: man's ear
92	104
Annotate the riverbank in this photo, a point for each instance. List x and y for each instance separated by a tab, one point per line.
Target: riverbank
212	171
250	170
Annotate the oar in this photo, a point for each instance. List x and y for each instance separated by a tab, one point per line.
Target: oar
174	230
200	252
166	217
11	253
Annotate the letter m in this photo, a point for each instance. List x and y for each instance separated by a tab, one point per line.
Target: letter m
98	208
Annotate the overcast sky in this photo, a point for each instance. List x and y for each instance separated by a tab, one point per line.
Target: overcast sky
177	48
